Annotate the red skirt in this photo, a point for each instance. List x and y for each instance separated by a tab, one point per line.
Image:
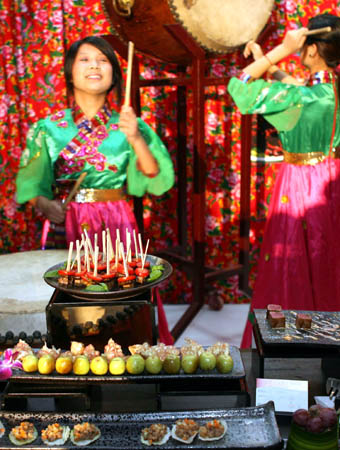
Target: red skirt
299	262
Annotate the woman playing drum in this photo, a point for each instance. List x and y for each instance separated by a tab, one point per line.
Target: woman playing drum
113	149
298	267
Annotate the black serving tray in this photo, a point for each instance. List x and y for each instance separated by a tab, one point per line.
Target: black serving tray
252	428
116	294
324	332
212	376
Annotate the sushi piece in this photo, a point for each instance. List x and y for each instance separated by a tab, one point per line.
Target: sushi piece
213	430
55	434
84	433
22	434
155	434
185	430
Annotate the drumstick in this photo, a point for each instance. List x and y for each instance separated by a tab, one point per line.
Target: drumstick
129	73
318	30
74	189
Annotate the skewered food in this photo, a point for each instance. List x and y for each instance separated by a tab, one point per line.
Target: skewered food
185	430
155	434
84	433
213	430
55	434
22	434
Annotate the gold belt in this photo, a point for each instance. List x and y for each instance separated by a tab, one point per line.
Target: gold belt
310	158
99	195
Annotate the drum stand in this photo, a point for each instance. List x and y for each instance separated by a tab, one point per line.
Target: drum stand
200	273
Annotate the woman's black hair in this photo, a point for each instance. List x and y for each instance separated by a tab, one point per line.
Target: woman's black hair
102	45
328	43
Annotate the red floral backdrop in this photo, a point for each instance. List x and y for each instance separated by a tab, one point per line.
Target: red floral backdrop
33	38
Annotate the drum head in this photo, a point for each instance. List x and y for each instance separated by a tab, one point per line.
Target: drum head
222	25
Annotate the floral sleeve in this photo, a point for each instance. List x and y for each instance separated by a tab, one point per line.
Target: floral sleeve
35	176
138	183
279	103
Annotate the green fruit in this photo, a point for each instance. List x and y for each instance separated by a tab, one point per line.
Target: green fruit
207	361
117	366
190	363
224	363
135	364
172	364
153	364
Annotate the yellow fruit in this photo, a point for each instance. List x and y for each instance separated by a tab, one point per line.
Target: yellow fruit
46	364
30	363
117	366
135	364
81	365
63	365
99	365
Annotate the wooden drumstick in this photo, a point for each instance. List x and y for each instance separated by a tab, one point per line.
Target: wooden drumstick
74	189
129	74
318	31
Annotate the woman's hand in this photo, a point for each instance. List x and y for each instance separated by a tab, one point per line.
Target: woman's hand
253	48
128	124
52	209
294	40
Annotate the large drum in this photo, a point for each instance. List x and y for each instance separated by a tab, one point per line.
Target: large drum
218	26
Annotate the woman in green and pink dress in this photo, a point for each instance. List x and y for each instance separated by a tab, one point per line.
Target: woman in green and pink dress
118	151
299	264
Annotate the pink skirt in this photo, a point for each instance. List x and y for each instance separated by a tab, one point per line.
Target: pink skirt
98	216
299	263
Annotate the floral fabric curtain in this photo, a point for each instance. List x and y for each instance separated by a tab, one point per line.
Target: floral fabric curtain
34	35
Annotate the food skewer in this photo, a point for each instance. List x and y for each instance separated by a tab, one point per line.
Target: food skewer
144	256
109	244
124	259
95	270
69	257
104	245
136	248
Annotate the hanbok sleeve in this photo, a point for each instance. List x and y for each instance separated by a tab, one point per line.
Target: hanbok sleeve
35	176
137	183
279	103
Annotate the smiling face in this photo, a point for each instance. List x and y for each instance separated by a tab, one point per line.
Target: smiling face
91	71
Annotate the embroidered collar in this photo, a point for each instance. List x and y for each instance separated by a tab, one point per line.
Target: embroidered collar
324	76
101	118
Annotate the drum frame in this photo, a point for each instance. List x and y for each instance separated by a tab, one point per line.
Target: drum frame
200	274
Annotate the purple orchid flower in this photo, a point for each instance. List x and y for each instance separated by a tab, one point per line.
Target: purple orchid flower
8	362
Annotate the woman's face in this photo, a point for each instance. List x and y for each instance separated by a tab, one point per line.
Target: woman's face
91	71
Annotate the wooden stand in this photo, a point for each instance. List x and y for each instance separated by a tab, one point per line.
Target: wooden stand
200	274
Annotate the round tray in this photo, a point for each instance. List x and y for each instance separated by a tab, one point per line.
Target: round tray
118	293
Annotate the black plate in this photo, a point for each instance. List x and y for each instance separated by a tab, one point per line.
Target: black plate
252	428
324	332
212	376
118	293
